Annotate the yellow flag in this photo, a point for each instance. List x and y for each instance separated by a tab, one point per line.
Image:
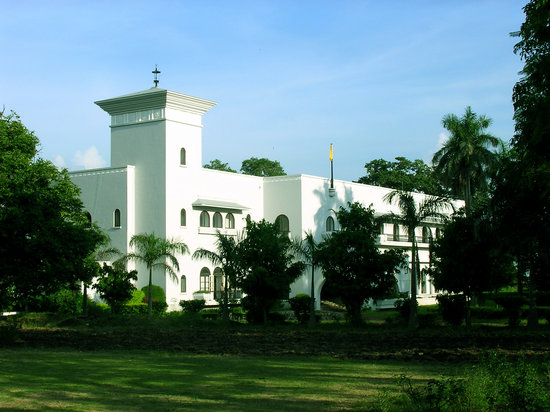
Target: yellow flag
331	152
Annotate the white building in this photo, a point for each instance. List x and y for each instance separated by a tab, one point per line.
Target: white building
156	183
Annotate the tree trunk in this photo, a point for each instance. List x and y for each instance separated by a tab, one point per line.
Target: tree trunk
532	318
312	298
150	293
468	312
84	299
413	314
225	302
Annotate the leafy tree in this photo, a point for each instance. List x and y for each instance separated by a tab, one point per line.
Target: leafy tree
156	252
217	164
468	264
262	167
267	267
44	234
466	159
414	215
522	198
352	263
308	250
403	174
115	285
227	257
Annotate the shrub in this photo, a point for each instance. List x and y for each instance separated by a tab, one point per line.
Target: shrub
496	384
300	305
134	308
63	301
403	307
192	306
511	304
544	312
97	309
157	293
137	297
452	308
9	330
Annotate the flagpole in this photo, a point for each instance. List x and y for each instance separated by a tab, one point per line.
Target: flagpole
331	169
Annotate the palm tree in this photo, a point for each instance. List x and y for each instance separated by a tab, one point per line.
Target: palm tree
227	257
466	158
413	215
308	249
154	252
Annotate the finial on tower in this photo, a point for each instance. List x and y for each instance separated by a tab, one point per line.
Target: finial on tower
156	72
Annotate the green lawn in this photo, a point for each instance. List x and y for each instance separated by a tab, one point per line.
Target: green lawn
42	379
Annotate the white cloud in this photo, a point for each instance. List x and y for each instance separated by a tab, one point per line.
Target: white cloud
90	159
59	162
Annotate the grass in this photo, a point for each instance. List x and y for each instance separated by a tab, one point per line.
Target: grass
41	379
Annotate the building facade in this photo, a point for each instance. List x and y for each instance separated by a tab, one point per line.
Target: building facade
156	183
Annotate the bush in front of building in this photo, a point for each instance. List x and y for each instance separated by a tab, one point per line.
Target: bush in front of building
452	308
300	305
192	306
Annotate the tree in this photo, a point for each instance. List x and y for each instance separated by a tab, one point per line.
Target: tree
403	174
155	252
466	160
308	249
44	234
227	257
217	164
468	264
115	285
267	268
352	263
262	167
413	215
522	198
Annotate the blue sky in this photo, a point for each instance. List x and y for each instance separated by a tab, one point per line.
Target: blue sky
374	78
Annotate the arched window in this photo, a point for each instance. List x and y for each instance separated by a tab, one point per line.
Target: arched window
218	283
396	232
229	221
282	222
116	218
205	219
217	220
183	218
330	224
205	280
182	157
426	234
183	284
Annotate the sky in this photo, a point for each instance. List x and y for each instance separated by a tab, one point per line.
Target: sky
374	78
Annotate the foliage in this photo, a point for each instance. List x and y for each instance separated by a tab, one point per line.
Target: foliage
308	250
496	384
352	264
134	309
115	285
155	252
522	197
403	307
465	264
403	174
466	160
226	256
10	328
266	268
217	164
44	234
138	296
512	304
300	305
65	301
157	293
452	308
192	306
262	167
413	215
